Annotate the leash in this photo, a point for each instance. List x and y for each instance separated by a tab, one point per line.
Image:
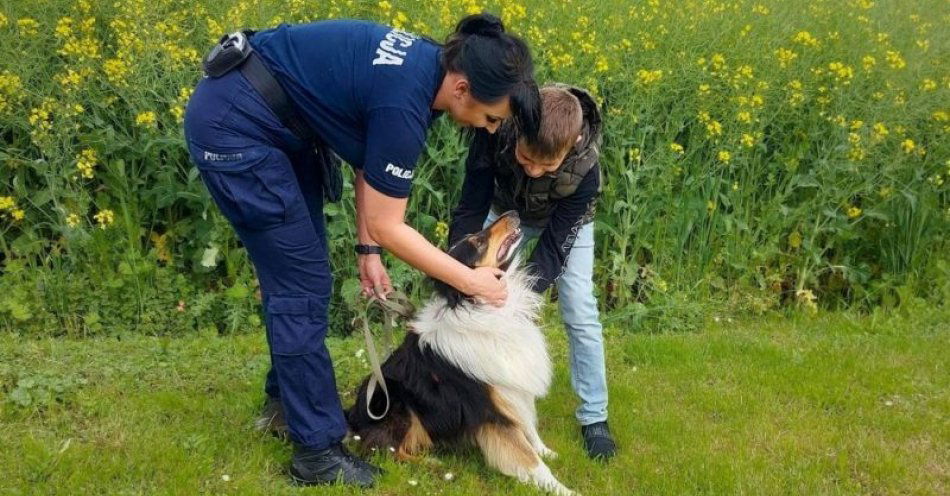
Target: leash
395	304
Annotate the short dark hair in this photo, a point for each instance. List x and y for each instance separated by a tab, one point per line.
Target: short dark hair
497	64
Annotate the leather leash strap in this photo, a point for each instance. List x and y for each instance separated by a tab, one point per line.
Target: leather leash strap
395	305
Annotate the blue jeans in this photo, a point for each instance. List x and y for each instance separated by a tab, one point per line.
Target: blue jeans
581	318
265	182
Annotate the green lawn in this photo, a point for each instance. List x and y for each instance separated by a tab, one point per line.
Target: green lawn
836	404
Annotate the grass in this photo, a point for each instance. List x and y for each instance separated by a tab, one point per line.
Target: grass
835	404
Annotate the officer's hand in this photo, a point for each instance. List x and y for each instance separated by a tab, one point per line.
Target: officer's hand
373	277
486	285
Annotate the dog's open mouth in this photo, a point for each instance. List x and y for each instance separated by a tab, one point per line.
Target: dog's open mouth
508	246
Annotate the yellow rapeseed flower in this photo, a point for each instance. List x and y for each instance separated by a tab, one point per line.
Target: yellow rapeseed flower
807	299
401	20
10	90
64	28
856	153
718	63
472	7
28	26
116	70
105	218
879	131
895	60
441	230
747	140
928	85
86	161
145	119
853	212
724	156
908	145
785	57
676	148
72	220
634	155
17	214
646	77
805	38
843	73
795	239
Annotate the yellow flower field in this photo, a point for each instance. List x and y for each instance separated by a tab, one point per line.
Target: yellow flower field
731	126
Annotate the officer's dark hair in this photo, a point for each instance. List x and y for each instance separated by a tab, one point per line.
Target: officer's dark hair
496	64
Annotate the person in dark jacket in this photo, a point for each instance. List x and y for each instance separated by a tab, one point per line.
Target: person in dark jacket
553	183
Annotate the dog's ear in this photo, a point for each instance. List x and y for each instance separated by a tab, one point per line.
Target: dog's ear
466	252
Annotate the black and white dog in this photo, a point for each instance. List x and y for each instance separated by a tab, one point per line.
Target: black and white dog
469	371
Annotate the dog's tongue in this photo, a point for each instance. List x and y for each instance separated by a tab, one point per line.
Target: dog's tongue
508	244
503	251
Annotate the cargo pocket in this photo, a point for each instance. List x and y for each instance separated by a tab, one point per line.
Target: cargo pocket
253	187
292	327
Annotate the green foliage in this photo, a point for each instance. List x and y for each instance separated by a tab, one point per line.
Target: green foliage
39	391
758	153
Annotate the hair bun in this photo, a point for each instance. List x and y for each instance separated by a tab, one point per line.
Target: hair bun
483	24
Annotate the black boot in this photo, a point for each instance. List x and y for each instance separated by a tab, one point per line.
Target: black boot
312	467
598	441
272	419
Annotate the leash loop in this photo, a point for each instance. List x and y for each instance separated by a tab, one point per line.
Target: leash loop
395	305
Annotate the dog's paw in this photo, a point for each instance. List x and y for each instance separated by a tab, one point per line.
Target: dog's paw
564	491
547	453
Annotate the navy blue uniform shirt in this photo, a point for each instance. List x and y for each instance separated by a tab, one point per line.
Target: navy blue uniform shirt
366	89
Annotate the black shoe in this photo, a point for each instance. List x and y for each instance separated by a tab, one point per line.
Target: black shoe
598	441
272	419
377	471
334	464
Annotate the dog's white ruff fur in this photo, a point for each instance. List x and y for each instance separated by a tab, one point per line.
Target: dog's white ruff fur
503	347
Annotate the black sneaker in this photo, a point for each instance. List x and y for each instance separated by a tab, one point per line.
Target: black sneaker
272	419
598	441
334	464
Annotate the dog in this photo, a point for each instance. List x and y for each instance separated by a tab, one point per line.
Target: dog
468	371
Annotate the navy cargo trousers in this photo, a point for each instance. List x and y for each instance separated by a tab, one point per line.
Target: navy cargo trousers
265	182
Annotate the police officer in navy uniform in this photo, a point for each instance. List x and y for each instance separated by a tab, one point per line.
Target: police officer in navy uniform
368	93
